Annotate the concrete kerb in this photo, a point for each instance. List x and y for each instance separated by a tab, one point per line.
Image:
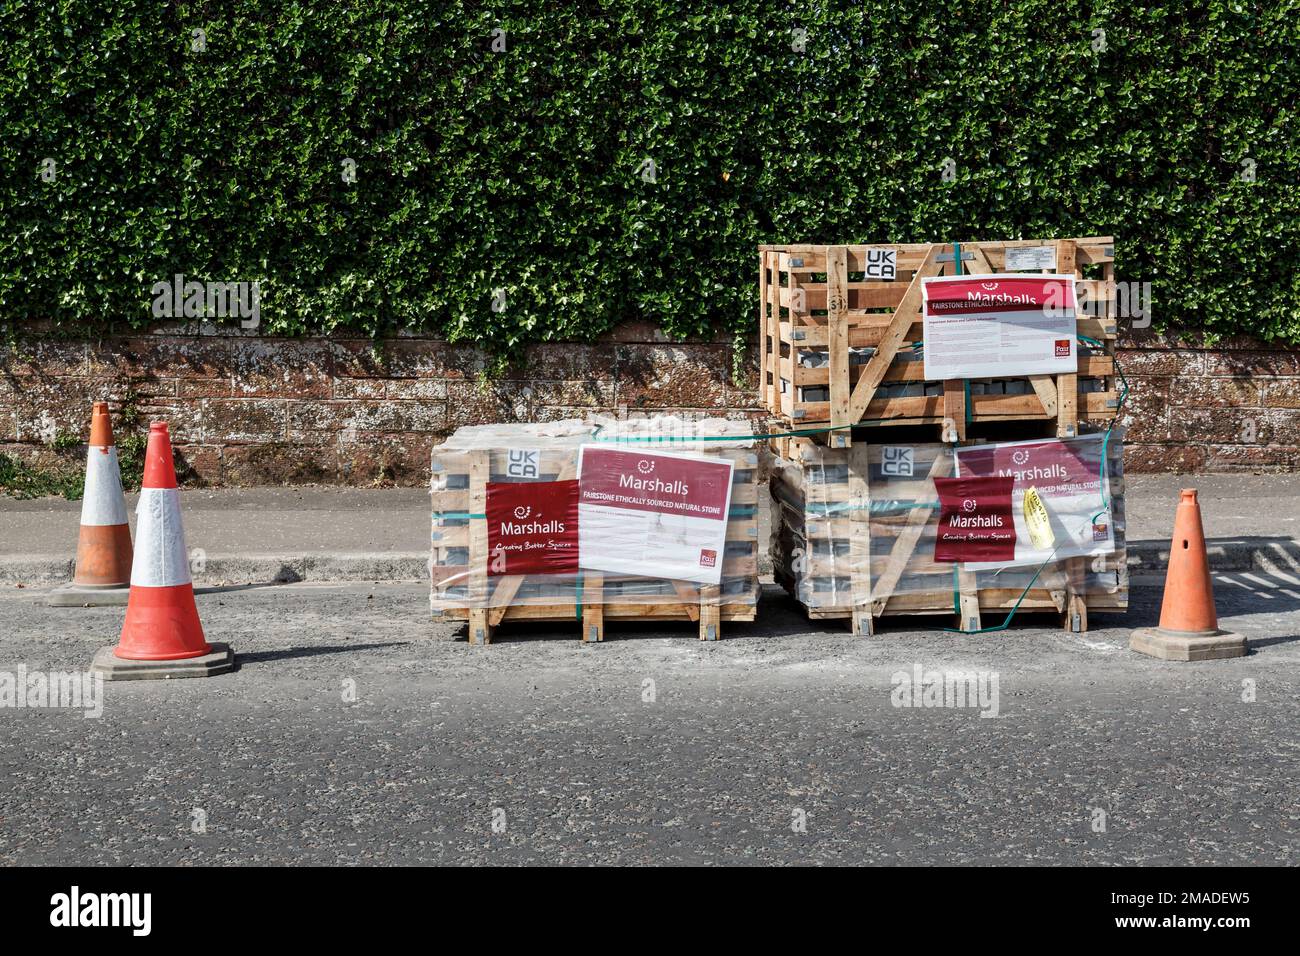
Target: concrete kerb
1267	555
38	571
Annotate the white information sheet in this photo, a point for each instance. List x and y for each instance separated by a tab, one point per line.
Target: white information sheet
653	514
1000	325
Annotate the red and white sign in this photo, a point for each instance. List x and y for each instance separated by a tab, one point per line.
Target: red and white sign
532	527
1068	475
975	522
998	325
653	514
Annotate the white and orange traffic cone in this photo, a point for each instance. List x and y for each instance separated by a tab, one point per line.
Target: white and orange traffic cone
103	574
162	636
1189	622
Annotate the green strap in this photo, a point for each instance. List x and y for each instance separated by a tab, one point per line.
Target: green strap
1010	614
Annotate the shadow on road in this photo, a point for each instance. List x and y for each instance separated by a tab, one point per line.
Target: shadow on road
264	657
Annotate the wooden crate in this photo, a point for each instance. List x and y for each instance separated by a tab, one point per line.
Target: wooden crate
462	590
847	544
837	346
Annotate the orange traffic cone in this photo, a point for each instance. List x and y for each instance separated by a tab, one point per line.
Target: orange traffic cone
162	636
104	543
1189	624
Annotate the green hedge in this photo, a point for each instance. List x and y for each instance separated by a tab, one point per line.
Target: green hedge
521	169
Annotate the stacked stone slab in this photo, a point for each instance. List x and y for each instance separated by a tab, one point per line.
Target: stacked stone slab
849	540
462	590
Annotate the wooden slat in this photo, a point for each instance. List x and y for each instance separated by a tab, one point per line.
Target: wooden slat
837	302
859	501
480	628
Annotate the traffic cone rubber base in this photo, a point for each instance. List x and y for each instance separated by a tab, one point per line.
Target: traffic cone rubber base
87	595
109	666
1183	646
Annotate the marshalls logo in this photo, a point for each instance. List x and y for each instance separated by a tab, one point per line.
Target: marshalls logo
989	286
208	300
521	512
1020	457
103	909
969	505
645	466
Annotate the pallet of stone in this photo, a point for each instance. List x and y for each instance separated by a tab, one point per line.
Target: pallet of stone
463	588
841	338
852	539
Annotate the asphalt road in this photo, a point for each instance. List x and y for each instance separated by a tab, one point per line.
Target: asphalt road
557	743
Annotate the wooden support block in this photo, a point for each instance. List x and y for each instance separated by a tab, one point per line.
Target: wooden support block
710	616
480	631
968	602
593	607
1075	619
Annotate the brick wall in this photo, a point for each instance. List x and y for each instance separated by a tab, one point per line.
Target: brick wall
252	410
249	410
1231	408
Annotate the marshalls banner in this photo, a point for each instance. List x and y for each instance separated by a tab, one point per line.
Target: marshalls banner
654	514
532	527
1056	502
998	325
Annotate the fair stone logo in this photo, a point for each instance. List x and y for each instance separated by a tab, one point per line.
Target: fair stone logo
208	300
951	689
55	690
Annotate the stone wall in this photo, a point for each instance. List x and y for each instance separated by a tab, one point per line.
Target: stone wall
250	410
1231	408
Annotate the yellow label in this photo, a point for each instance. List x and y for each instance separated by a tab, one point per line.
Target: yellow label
1036	520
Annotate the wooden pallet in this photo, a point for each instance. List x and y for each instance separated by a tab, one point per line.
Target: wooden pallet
847	543
463	590
836	344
